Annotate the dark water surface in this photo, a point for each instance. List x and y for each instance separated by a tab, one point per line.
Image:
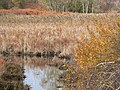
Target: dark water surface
40	73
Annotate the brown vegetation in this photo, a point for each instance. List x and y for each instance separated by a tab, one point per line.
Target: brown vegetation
99	52
94	37
29	12
49	32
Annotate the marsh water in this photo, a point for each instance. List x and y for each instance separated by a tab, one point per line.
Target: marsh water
40	73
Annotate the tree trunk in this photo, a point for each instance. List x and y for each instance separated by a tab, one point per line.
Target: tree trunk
83	6
92	8
87	7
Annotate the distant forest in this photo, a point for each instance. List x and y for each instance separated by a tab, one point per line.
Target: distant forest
81	6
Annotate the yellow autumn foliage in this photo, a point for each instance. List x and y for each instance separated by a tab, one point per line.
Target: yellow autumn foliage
100	48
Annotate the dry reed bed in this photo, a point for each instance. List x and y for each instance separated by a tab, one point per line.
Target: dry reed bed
49	32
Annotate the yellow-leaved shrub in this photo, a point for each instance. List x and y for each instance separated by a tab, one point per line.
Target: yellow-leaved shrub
100	48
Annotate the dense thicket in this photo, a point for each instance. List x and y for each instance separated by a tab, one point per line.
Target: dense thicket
82	6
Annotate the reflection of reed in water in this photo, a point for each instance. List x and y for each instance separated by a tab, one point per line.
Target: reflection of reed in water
42	79
34	62
12	78
51	75
41	62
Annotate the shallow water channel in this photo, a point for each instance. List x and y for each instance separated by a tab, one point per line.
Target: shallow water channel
40	73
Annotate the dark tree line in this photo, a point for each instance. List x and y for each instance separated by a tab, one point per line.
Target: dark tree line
11	4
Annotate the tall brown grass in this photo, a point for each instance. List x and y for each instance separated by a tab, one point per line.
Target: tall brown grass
46	32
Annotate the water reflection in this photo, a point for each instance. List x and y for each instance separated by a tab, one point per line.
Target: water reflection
42	79
39	75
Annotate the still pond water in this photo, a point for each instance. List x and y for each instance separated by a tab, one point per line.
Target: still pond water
41	73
